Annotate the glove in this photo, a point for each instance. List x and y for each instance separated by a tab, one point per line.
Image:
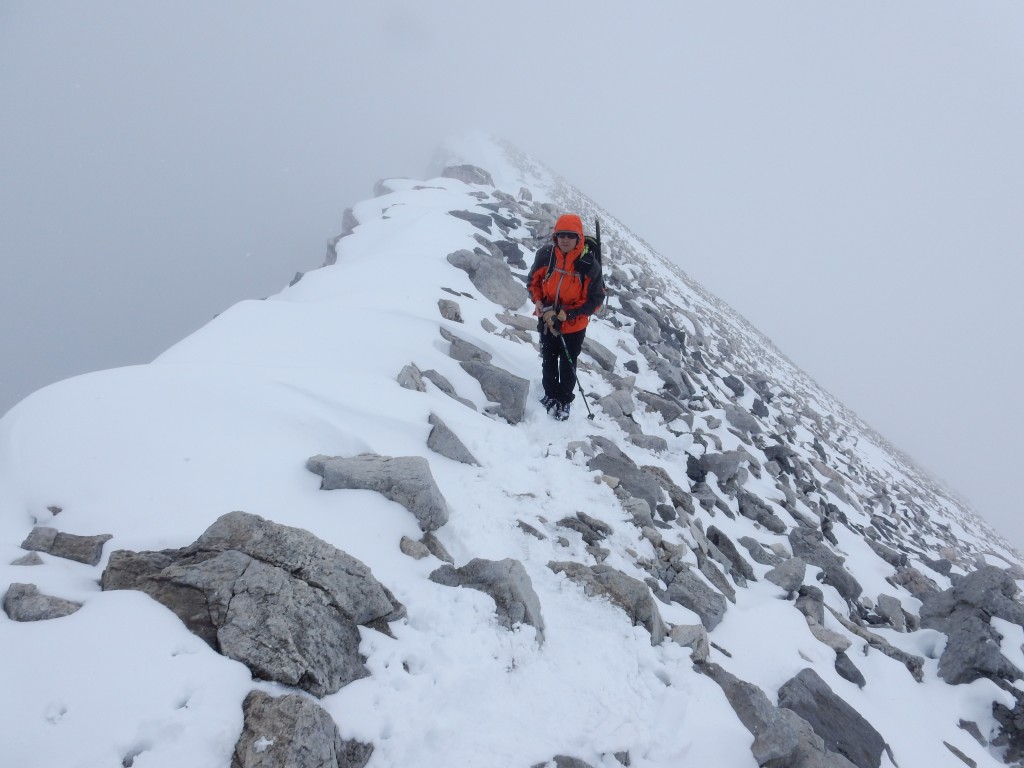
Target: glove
550	317
556	322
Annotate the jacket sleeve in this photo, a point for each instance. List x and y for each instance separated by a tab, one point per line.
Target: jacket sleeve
536	275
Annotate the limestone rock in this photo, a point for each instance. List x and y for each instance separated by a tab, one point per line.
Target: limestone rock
491	276
507	390
839	725
278	599
293	731
445	442
81	549
24	602
504	580
406	480
630	594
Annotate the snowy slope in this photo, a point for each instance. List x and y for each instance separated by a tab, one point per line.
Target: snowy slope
226	420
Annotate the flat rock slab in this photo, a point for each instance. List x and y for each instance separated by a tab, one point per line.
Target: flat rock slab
406	480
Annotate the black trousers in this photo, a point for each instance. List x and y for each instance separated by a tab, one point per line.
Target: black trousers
557	374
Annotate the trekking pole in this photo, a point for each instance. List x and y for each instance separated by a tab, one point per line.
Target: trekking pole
572	365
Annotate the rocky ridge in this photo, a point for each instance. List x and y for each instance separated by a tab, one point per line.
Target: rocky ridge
777	482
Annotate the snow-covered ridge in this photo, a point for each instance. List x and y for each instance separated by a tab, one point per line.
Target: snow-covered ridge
721	544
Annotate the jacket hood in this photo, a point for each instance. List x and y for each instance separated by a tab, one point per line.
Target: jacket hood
569	222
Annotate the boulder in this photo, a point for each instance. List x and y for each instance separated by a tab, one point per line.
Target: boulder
491	276
275	598
962	612
630	594
462	350
506	581
690	591
293	731
406	480
840	726
507	390
24	602
70	546
789	574
782	738
445	442
808	545
469	174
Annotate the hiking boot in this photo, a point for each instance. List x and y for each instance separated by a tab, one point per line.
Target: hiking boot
548	402
561	412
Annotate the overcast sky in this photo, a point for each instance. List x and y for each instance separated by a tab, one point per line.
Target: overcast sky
850	177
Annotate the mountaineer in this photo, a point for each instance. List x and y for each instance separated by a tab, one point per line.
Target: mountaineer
566	286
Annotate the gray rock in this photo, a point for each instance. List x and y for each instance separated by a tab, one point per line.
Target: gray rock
680	499
491	276
462	350
962	612
468	174
694	637
499	386
563	761
24	602
437	549
914	664
840	726
891	609
890	555
789	575
752	507
293	731
669	409
724	465
782	739
618	403
504	580
280	627
915	582
743	420
406	480
807	544
848	670
417	550
32	558
734	384
735	560
479	220
410	377
278	599
600	354
690	591
445	386
81	549
590	528
651	443
632	479
758	553
450	310
445	442
630	594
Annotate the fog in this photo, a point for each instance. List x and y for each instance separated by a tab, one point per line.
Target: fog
848	177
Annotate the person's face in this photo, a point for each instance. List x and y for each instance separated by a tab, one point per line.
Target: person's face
565	242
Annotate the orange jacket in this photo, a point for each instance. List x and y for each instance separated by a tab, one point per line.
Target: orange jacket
569	281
